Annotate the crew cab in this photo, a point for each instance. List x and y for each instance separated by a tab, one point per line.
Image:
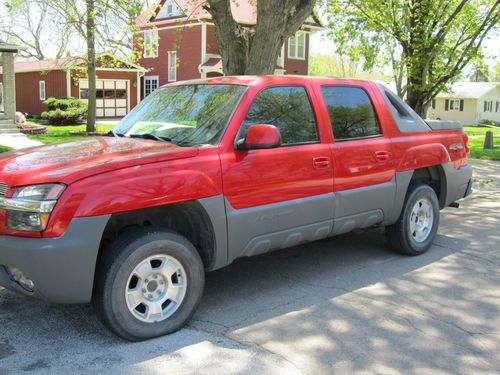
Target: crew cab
203	172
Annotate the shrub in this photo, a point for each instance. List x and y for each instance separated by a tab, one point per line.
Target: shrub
64	111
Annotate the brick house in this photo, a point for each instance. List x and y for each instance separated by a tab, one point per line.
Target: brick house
118	84
177	41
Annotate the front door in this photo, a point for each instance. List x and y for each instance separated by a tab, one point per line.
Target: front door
364	172
282	196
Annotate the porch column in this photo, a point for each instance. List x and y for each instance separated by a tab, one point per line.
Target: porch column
9	85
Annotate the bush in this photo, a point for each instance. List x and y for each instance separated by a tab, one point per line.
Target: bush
64	111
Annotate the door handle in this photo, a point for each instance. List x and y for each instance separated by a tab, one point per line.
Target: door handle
382	155
321	162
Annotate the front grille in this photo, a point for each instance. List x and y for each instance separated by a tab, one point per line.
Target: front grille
3	189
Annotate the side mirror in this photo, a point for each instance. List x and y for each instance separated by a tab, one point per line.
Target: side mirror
260	136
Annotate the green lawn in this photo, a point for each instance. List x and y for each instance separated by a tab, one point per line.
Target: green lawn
56	134
477	151
4	148
476	130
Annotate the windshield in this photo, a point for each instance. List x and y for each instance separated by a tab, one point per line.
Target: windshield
187	115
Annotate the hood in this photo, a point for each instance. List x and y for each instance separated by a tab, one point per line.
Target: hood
71	161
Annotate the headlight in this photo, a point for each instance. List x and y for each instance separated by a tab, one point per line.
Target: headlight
30	206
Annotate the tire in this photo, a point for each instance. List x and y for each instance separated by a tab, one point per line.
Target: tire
156	270
405	236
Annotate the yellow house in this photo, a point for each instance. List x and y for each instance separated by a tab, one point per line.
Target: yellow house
468	102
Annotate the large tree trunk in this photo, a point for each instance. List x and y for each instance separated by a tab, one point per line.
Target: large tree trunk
91	65
255	50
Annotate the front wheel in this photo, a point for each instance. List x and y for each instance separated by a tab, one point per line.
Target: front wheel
418	223
149	283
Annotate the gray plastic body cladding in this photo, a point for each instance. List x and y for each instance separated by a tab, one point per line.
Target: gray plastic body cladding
259	229
363	207
62	268
444	124
411	123
215	208
403	180
457	182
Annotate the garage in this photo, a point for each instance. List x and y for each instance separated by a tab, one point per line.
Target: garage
113	96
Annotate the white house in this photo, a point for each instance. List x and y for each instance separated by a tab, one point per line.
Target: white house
468	102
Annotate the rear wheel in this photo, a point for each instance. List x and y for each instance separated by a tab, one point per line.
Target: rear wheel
149	283
417	225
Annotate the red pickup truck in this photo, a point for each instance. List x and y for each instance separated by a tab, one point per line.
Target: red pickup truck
203	172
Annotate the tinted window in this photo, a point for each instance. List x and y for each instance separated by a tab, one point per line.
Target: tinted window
351	112
287	108
186	114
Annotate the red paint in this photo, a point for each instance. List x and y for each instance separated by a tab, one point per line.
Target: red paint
262	135
107	175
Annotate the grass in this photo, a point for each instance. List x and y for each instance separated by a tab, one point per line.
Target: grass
56	134
4	149
477	151
476	130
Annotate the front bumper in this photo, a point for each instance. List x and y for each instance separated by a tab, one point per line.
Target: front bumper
62	268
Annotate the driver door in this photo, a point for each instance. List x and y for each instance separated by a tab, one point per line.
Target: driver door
282	196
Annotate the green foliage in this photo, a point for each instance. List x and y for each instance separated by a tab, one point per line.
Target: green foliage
478	152
4	149
432	40
64	111
56	134
480	130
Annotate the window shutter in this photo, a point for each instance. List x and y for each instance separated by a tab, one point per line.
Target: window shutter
461	105
446	104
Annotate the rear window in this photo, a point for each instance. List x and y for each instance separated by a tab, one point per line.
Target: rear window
351	112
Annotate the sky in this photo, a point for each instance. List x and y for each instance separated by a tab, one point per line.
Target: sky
321	44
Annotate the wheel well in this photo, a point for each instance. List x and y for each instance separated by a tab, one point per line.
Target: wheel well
435	177
189	219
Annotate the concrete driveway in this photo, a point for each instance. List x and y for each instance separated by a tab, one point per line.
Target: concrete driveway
342	305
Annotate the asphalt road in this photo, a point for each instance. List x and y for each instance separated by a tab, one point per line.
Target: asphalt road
342	305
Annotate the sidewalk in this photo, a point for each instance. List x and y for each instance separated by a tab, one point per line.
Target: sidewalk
17	141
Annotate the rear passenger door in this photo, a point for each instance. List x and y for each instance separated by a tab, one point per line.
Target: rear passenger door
363	164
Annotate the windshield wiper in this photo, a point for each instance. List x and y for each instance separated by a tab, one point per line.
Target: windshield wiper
111	133
151	136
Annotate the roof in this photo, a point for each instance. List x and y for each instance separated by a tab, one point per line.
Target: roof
264	79
244	12
64	63
468	90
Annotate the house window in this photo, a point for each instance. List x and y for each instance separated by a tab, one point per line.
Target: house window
170	9
42	90
151	43
433	104
151	83
455	105
172	66
297	46
497	106
488	106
